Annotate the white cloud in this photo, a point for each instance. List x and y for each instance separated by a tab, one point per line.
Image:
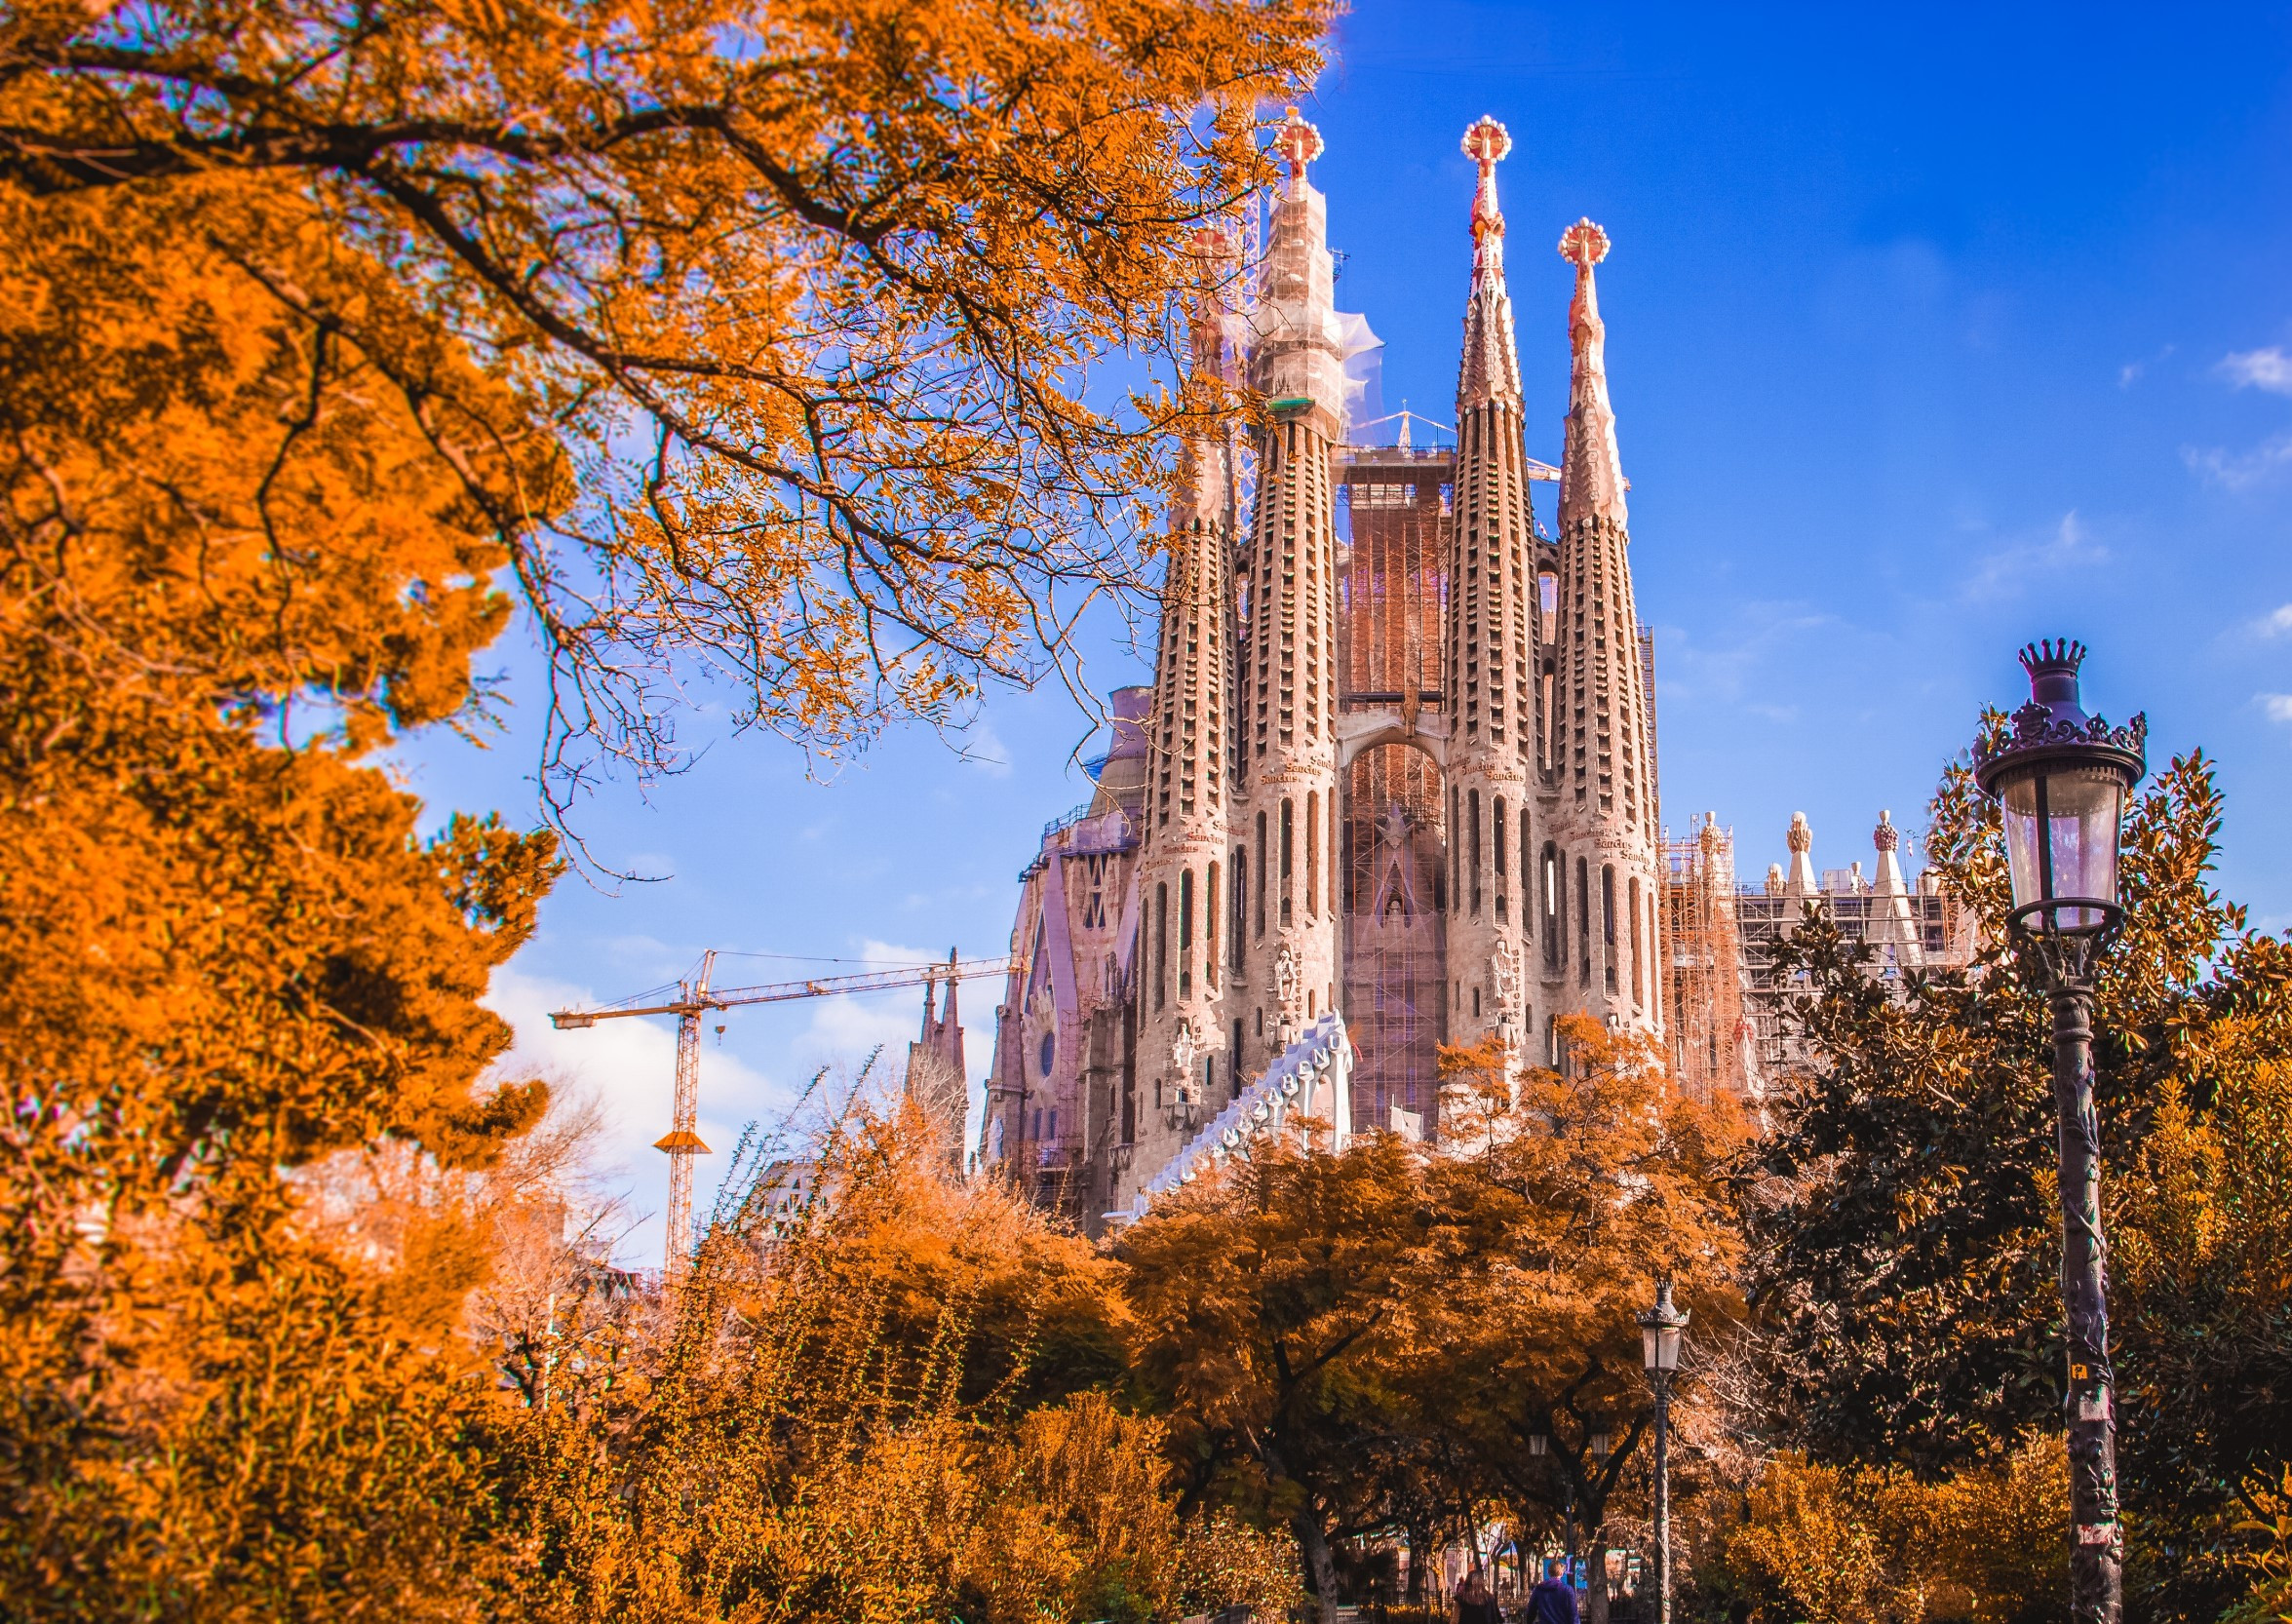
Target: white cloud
2239	471
982	747
631	1068
2269	369
2273	624
2071	546
2278	706
2129	374
1725	670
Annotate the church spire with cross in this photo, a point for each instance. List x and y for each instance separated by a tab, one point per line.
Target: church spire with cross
1602	713
1491	626
1184	875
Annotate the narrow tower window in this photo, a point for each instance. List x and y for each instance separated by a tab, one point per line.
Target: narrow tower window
1499	825
1185	933
1288	847
1607	924
1583	917
1527	902
1233	1065
1312	852
1261	873
1161	944
1639	994
1472	838
1455	856
1210	930
1555	907
1241	907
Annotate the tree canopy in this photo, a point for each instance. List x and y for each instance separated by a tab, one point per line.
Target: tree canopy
1903	1246
815	304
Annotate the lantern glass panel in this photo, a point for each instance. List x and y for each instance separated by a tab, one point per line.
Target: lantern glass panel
2061	838
1647	1347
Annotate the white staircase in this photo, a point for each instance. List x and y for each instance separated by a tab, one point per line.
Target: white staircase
1312	1076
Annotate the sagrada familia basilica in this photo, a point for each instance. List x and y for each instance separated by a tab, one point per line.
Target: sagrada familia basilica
1394	785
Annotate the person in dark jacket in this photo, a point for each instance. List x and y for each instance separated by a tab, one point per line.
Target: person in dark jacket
1474	1603
1552	1601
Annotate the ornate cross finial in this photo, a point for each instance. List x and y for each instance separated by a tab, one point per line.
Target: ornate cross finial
1486	143
1298	144
1583	244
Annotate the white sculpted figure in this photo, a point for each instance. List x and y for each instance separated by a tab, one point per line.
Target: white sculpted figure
1506	970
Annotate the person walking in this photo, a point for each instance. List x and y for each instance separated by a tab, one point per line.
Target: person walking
1474	1603
1552	1601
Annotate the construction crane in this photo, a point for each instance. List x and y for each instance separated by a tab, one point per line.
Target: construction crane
694	999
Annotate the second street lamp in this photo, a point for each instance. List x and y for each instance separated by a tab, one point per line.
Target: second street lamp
1661	1330
2061	777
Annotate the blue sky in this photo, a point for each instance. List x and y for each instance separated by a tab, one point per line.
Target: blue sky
1931	330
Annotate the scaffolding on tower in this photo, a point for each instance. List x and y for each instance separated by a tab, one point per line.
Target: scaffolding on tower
1710	1036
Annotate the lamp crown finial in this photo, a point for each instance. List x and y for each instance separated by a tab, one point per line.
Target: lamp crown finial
2052	665
2051	656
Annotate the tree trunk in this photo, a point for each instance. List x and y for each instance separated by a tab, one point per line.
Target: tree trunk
1320	1565
1595	1557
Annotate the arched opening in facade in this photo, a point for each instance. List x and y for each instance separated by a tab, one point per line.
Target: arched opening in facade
1395	868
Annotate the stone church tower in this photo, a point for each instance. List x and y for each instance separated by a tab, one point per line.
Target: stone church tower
1184	878
1394	782
1492	636
1608	845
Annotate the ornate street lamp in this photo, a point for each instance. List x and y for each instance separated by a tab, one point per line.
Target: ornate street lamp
1663	1328
2061	777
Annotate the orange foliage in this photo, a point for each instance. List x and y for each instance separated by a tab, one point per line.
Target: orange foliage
1592	1185
231	560
1829	1545
814	288
836	1423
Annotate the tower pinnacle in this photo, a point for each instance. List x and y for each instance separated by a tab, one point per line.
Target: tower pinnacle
1592	476
1486	143
1490	364
1298	144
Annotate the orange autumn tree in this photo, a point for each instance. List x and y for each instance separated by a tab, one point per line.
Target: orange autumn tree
233	560
877	1407
1270	1325
1573	1194
820	293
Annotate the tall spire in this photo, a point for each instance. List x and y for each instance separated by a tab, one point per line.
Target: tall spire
1184	875
1491	627
1591	473
1490	366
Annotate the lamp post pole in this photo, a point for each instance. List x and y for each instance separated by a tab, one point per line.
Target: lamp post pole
2061	777
2096	1561
1661	1330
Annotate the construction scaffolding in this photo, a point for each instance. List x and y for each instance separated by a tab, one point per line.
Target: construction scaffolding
1394	514
1712	1045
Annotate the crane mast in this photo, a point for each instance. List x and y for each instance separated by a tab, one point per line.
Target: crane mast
694	999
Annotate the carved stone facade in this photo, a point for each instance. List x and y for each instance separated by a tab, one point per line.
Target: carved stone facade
1397	761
